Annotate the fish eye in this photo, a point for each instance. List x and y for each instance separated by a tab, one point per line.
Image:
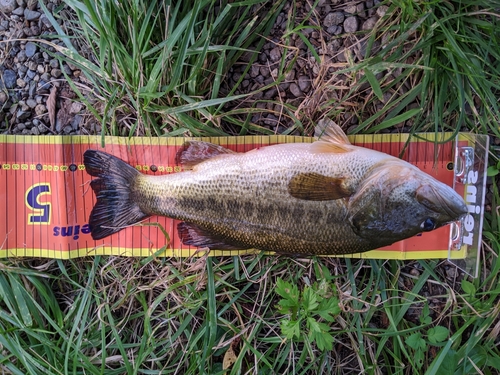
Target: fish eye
428	224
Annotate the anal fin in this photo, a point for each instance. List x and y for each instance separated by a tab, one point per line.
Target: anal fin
193	235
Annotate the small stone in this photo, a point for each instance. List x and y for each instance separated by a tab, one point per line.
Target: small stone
67	69
254	70
332	30
21	82
32	65
275	54
75	123
3	97
40	109
31	103
23	115
333	19
30	49
45	21
21	127
21	70
7	6
351	9
30	74
382	10
23	105
54	63
369	24
9	78
4	25
75	107
56	73
295	90
21	56
290	76
32	88
304	83
40	69
67	129
360	10
35	130
18	11
351	24
45	77
39	99
31	15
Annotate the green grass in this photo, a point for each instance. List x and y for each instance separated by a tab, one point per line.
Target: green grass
159	69
156	68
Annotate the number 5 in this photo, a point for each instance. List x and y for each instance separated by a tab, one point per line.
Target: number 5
41	210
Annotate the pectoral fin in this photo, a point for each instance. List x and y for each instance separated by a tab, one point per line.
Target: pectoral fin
193	235
316	187
195	152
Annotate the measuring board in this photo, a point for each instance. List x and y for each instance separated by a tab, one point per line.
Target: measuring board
45	197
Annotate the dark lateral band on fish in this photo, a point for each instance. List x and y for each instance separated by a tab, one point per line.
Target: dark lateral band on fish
323	198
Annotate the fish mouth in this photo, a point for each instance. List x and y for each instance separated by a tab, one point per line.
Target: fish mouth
443	200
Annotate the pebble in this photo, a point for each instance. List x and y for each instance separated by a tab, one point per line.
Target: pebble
369	24
23	115
31	15
9	78
75	123
3	97
56	73
275	54
4	25
30	74
7	6
18	11
31	103
40	109
30	49
21	82
75	107
35	130
333	19
351	24
382	10
295	90
45	77
54	63
351	9
304	83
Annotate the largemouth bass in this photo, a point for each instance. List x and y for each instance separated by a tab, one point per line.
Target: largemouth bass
325	197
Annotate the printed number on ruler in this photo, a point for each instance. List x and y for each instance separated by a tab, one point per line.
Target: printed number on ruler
40	211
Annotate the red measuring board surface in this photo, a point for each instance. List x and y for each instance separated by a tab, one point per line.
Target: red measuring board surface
46	199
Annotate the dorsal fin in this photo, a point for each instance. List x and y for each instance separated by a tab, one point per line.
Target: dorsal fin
331	138
195	152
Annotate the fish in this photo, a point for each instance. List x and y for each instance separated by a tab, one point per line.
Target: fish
327	197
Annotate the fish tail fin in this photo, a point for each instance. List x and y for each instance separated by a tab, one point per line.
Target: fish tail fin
115	208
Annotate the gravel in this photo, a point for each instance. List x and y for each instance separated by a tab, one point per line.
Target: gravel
28	71
7	6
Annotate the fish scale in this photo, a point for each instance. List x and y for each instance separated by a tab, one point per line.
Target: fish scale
326	197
